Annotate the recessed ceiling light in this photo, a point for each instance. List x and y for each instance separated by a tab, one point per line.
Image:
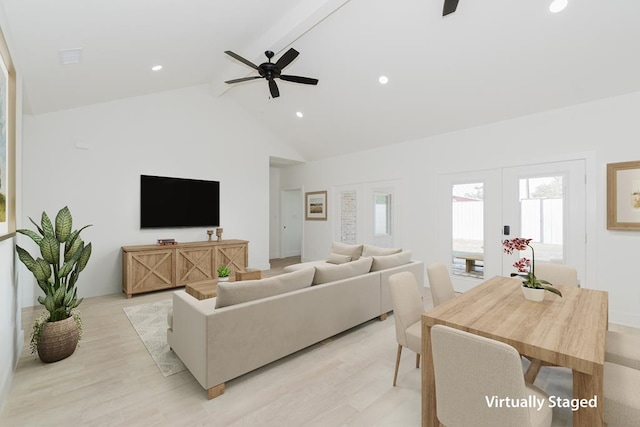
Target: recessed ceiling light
383	80
299	114
558	5
156	67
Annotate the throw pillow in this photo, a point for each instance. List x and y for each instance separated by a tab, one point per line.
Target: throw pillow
368	250
353	251
330	272
230	293
338	259
389	261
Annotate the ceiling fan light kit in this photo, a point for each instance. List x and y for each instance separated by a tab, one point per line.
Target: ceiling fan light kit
271	71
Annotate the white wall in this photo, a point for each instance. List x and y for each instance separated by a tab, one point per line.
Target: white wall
91	159
608	130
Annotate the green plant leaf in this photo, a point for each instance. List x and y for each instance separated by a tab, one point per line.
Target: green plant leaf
75	234
37	226
63	224
84	258
58	296
74	250
66	268
39	268
552	289
47	227
34	236
42	271
50	249
49	304
26	258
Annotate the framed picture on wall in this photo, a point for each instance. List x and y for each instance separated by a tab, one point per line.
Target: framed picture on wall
7	142
623	196
315	205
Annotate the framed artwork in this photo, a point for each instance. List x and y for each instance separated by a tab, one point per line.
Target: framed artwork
315	205
623	196
7	142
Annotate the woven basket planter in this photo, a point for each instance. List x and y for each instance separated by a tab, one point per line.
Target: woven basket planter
58	340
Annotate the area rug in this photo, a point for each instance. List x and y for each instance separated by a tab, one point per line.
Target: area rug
150	322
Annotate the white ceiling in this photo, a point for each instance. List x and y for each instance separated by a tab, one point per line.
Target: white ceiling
489	61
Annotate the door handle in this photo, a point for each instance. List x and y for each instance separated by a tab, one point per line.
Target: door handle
506	230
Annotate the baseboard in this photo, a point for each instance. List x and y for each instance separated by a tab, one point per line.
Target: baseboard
625	318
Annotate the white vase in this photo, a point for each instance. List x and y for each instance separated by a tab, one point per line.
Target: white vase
533	294
223	279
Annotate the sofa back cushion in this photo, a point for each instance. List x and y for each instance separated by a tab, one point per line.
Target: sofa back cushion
383	262
230	293
338	259
353	251
331	272
368	250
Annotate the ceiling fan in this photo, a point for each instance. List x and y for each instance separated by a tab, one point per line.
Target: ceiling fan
449	7
271	71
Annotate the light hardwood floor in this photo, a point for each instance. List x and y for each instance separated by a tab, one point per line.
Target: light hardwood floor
112	381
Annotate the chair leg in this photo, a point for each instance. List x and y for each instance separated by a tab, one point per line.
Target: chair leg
395	375
417	360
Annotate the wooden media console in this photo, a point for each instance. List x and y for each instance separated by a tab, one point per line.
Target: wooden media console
147	268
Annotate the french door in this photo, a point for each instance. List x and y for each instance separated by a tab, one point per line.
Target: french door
478	210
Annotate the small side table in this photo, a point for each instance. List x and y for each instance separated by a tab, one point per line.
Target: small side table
249	274
202	290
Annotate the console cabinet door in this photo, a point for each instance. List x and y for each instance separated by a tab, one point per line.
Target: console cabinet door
233	256
148	271
195	264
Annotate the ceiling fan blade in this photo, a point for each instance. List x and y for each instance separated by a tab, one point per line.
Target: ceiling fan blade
449	7
243	79
298	79
273	87
241	59
286	59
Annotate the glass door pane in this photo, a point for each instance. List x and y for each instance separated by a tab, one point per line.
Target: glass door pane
467	227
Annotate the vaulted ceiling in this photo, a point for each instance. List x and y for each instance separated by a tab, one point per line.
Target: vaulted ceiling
491	60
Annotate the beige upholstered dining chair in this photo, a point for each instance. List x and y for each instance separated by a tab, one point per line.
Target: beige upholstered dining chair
407	311
440	283
621	391
620	348
472	373
557	274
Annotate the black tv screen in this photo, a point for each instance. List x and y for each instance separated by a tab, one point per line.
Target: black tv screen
178	202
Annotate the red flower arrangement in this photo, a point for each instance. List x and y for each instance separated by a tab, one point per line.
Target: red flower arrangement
526	267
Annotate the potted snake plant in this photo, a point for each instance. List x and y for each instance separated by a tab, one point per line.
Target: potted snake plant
63	255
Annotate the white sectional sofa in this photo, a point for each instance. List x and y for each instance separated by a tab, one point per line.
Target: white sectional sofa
253	323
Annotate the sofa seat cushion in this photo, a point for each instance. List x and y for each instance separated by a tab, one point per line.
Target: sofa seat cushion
383	262
352	251
331	272
230	293
368	250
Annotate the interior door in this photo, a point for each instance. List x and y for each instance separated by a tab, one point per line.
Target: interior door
291	225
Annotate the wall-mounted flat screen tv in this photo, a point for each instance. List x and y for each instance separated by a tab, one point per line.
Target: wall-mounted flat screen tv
178	202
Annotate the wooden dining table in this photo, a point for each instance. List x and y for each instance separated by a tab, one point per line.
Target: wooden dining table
568	331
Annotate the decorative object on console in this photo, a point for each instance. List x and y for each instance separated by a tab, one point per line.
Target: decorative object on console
219	231
526	270
55	336
163	242
209	233
223	273
316	205
623	196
